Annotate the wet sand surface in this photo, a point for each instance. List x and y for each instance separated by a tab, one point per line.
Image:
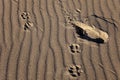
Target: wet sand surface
36	39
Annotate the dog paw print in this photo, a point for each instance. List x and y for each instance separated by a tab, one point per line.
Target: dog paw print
75	70
26	17
75	48
27	25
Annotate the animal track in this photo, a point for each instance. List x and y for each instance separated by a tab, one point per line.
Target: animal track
25	15
28	24
74	70
90	33
75	48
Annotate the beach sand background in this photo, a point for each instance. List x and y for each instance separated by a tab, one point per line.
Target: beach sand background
38	48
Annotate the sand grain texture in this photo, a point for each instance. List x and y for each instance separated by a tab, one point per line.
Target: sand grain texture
42	52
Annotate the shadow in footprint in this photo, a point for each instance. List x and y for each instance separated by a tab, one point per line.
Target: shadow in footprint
75	70
75	48
82	34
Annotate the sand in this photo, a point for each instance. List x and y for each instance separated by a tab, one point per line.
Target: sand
36	45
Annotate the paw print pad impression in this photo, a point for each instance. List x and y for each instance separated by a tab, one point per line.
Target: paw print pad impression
75	48
74	70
